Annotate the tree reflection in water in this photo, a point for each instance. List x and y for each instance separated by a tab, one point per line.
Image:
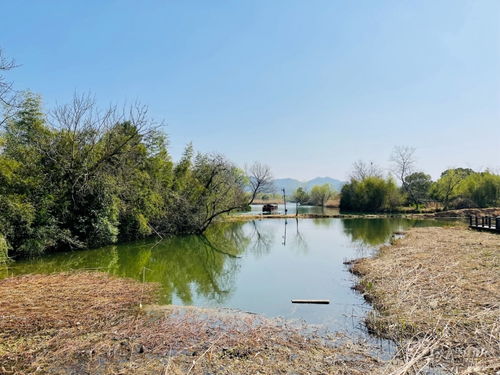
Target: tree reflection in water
369	233
203	269
262	239
182	265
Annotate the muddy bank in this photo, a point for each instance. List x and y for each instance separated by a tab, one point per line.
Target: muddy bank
436	292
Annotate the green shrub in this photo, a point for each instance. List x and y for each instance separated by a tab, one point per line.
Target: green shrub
4	250
371	194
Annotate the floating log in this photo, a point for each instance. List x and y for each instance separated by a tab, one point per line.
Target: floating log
315	301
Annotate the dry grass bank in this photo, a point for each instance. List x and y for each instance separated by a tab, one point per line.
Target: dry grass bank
437	293
91	323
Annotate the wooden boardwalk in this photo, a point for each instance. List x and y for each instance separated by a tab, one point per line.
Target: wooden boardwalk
485	223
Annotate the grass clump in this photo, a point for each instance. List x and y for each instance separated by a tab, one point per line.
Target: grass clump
436	292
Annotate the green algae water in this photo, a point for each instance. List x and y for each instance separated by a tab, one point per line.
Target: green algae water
254	266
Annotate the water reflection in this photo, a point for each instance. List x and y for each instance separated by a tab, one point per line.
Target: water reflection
184	266
262	240
371	232
377	231
255	266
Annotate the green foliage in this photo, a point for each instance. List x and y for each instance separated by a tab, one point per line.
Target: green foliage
370	194
448	186
301	196
462	188
96	177
483	189
321	193
456	188
4	250
418	185
77	186
206	186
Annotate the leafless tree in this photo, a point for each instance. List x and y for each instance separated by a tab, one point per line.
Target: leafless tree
8	96
403	159
260	180
86	141
362	170
223	187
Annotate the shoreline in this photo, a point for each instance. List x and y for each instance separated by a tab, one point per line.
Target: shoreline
461	214
435	292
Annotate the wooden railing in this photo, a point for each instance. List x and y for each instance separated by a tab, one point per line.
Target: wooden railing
489	223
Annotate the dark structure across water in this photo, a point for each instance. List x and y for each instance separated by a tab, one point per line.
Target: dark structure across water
268	208
486	223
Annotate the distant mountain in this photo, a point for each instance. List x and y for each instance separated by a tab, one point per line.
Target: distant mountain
291	184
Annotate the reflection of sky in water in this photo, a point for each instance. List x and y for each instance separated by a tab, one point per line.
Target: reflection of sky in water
256	266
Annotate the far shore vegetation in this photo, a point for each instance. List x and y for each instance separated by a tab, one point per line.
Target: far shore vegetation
457	188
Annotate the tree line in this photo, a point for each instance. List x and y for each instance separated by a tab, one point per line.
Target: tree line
318	196
369	190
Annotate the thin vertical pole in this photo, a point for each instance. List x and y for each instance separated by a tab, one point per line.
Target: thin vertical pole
284	200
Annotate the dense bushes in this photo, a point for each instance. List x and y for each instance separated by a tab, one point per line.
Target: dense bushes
370	194
91	178
318	196
481	188
456	188
464	188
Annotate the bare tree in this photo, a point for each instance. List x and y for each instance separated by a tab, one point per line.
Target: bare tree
403	159
223	187
362	170
8	96
89	138
260	180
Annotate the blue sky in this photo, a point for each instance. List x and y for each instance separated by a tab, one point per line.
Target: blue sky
307	87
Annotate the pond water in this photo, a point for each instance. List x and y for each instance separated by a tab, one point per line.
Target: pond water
256	266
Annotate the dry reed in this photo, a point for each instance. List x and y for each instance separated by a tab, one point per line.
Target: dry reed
91	323
436	292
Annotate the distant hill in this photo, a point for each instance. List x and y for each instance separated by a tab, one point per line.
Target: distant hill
291	184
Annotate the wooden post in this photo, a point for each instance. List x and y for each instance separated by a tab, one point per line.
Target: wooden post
470	221
482	221
489	221
284	200
497	223
475	219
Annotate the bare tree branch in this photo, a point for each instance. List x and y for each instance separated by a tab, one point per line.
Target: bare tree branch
9	98
403	158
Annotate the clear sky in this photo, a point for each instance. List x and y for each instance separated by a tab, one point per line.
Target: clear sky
307	87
